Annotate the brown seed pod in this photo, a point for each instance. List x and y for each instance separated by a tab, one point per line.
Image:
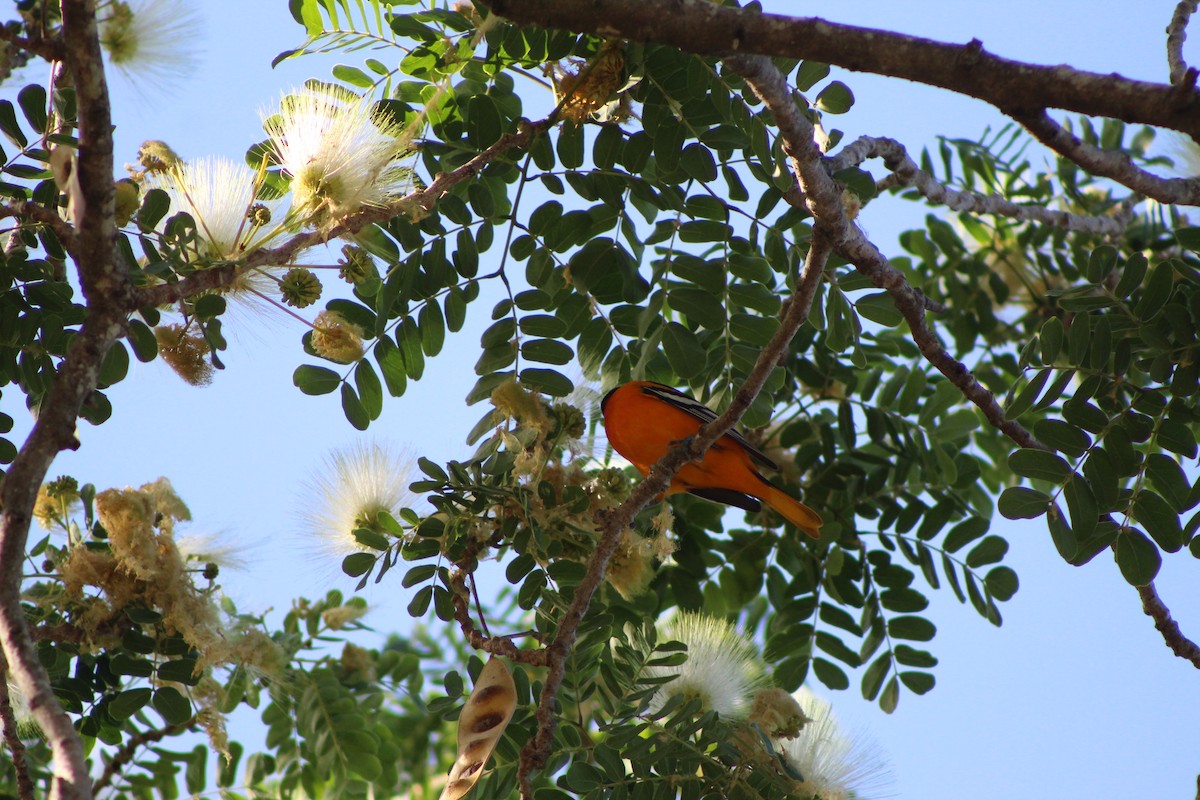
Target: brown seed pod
480	725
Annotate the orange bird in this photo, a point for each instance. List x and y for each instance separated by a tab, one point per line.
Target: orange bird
644	420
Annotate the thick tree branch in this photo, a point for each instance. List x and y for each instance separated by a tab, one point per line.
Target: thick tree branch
823	197
537	750
1176	36
1013	87
1109	163
106	288
1179	644
907	173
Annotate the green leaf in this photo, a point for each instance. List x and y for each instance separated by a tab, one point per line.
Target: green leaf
315	380
1137	557
1156	291
127	703
115	365
836	98
1168	477
352	407
1024	399
1001	583
1081	503
830	674
810	73
989	551
174	708
547	351
391	364
890	697
912	628
917	682
1176	437
32	100
911	657
684	353
433	328
357	564
1039	464
1132	275
1062	436
874	675
370	390
353	76
547	381
155	205
1159	520
1051	337
879	308
1019	502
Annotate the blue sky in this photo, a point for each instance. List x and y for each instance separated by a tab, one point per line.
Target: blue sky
1075	696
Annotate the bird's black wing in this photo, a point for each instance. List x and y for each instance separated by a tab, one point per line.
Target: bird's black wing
729	497
706	415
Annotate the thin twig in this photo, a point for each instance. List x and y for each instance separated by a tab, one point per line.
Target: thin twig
1176	36
12	737
497	645
1179	644
127	751
907	173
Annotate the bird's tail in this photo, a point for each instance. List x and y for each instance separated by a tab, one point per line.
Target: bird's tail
793	510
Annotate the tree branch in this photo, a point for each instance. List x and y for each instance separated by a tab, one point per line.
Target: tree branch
44	216
1179	644
706	28
537	749
1176	36
47	49
907	173
418	201
823	197
129	749
106	288
1111	164
8	726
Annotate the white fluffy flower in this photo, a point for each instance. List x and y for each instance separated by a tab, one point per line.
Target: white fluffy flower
340	153
722	668
149	37
218	194
357	484
831	765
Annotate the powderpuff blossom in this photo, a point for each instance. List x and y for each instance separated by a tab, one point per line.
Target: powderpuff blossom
722	669
358	483
218	194
829	764
340	152
151	38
